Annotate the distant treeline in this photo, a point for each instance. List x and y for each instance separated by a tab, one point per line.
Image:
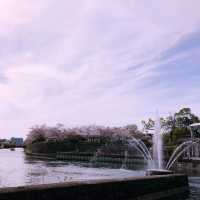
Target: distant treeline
60	133
44	139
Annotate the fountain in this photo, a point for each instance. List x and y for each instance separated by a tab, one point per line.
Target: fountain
158	146
179	151
156	164
155	161
157	167
158	151
140	147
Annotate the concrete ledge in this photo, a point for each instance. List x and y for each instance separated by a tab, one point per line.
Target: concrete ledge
153	172
143	188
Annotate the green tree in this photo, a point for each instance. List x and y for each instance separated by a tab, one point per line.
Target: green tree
175	126
148	125
184	118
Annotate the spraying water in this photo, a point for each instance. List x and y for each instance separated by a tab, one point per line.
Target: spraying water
140	147
182	148
158	145
156	161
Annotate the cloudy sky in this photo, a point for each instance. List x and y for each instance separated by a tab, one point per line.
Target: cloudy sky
105	62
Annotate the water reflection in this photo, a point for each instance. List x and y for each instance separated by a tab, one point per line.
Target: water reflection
17	169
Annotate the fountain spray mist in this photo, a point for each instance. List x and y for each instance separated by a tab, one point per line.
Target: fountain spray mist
158	145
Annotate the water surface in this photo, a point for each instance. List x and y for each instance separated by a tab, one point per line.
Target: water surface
16	169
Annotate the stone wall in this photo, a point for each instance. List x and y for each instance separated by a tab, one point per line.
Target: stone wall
144	188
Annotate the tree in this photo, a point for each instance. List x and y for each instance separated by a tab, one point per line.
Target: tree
36	134
185	117
175	127
149	125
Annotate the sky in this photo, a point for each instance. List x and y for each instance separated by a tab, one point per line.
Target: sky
103	62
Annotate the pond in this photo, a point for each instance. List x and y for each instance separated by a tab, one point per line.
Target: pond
17	169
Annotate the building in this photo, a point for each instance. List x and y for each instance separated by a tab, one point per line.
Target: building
17	141
4	143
